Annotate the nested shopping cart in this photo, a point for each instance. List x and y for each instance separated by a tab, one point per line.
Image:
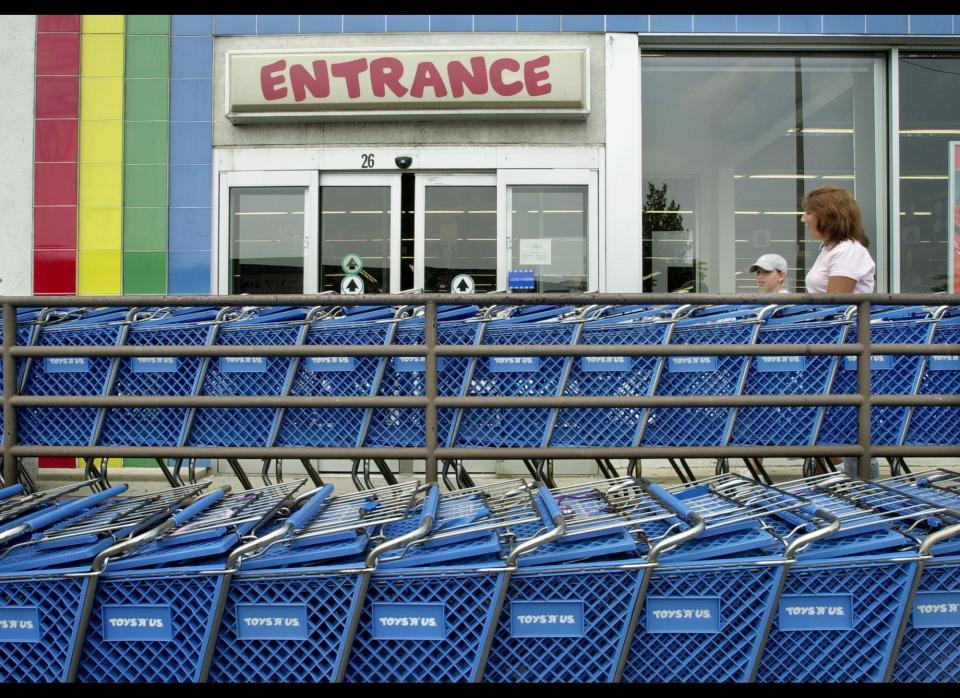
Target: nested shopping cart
518	376
613	376
938	425
293	595
571	605
706	609
790	375
430	609
248	376
930	647
71	426
845	598
702	375
147	616
45	579
889	375
160	376
14	503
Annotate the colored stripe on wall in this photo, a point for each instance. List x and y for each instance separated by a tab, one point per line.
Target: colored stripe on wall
100	228
55	155
55	163
191	153
145	154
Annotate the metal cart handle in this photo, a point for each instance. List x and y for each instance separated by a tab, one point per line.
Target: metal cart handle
559	523
427	516
938	537
806	539
697	526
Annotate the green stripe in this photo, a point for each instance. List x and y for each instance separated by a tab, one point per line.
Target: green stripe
146	155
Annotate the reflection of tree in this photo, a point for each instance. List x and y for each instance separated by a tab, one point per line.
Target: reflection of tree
657	217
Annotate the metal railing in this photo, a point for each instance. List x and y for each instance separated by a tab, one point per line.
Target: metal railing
431	401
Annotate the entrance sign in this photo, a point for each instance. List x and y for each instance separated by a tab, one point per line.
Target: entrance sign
352	263
310	84
351	285
463	283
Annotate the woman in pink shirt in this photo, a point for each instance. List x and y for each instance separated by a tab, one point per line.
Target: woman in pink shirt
844	264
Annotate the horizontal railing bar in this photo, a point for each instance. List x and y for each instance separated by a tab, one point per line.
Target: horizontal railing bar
415	350
480	453
345	401
488	299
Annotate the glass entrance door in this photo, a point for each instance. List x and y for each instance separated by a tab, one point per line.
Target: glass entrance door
455	223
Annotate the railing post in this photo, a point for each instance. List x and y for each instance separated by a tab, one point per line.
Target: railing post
9	390
430	390
864	364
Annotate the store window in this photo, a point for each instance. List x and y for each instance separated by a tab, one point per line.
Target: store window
731	144
929	122
266	244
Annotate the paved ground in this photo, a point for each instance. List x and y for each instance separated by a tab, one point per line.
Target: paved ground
143	480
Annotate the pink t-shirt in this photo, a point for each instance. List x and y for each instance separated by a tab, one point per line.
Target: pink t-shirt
848	258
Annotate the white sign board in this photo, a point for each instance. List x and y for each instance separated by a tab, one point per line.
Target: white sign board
351	285
463	283
535	251
352	264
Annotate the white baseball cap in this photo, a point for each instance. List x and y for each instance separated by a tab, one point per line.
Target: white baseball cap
769	262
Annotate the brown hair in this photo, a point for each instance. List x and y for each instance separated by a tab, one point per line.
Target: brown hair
838	215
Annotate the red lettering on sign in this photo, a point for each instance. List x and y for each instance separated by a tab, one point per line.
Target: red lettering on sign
270	77
534	79
302	80
497	69
350	72
427	76
386	72
460	77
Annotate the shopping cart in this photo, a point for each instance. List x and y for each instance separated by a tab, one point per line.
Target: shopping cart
938	425
293	595
702	375
247	376
431	609
790	375
706	609
148	614
890	375
930	648
44	581
571	606
844	600
518	376
613	376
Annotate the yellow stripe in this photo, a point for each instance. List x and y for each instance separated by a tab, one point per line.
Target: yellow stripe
100	225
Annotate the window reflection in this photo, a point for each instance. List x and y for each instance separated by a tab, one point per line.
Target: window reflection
266	239
460	230
549	235
355	221
731	144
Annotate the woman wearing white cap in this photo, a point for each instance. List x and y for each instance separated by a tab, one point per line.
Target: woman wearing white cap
771	273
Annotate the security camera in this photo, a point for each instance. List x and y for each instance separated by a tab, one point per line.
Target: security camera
403	161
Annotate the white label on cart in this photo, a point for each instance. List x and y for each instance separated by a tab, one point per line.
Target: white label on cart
596	364
936	610
137	623
513	364
679	614
243	364
66	364
766	364
415	364
944	363
816	612
546	618
408	621
330	364
878	362
262	621
19	624
691	364
155	364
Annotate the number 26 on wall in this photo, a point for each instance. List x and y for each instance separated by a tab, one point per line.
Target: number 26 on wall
366	161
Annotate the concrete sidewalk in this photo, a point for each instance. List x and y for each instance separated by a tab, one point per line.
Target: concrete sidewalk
144	480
